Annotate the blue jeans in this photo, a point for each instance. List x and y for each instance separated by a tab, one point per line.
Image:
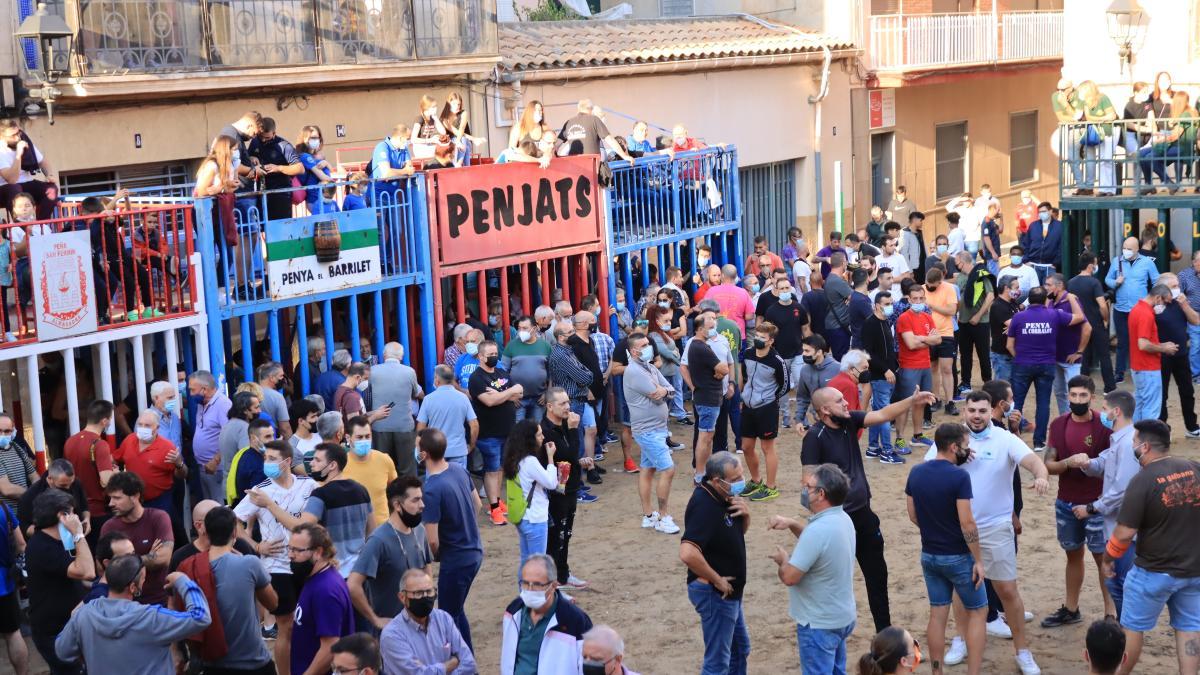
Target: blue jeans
993	266
529	408
1121	328
1121	567
880	435
1148	389
1074	146
822	650
531	537
453	585
1194	349
1154	159
948	574
726	640
1063	372
676	402
1147	592
1041	377
1002	367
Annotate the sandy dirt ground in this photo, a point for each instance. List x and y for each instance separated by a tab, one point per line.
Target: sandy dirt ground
638	583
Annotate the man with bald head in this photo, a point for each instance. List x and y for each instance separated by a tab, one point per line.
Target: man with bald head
594	350
201	543
734	301
1131	275
834	440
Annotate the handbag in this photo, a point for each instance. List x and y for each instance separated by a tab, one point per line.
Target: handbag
1091	136
299	194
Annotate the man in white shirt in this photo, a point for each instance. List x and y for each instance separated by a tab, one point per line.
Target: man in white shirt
970	220
995	455
955	238
1017	268
896	262
17	175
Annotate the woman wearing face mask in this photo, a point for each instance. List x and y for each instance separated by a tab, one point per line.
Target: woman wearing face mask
1097	108
659	328
1008	303
893	651
529	463
309	144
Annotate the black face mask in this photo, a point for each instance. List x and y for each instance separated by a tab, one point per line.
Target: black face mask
421	607
810	360
594	328
301	570
491	361
593	668
842	420
320	477
961	458
410	519
1080	409
760	343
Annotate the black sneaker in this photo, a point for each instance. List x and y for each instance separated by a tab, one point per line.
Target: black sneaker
593	477
872	452
674	445
1062	617
271	633
951	409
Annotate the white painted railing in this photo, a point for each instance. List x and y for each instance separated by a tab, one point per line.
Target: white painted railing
920	41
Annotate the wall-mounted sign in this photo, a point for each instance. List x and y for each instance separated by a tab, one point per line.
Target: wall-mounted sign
64	293
882	108
322	253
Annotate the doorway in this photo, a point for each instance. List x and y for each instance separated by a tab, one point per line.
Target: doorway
883	162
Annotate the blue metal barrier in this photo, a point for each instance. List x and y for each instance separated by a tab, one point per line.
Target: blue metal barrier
666	207
244	285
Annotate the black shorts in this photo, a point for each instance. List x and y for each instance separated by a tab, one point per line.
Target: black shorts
760	422
10	613
285	588
947	349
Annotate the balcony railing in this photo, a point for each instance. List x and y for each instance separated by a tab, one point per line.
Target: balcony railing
1126	159
147	36
921	41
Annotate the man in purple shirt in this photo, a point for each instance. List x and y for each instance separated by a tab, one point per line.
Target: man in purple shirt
823	256
1071	342
211	415
323	610
1033	340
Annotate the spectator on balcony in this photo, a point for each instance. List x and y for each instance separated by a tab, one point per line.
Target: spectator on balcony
355	192
1097	108
454	118
428	133
276	163
762	260
584	134
1045	238
1137	110
20	161
1177	144
390	160
1069	111
241	132
638	142
317	169
531	139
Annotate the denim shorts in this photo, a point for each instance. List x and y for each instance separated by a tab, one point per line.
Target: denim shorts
491	449
1145	594
655	453
706	417
909	380
949	574
1073	533
587	414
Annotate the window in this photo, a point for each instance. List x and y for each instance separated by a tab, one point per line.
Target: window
950	153
1022	147
669	8
175	179
768	201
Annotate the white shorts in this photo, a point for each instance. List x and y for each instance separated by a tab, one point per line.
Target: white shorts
998	543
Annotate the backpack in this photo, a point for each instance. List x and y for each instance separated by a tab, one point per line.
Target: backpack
516	499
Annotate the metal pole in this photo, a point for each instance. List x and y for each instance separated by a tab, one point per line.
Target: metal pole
839	211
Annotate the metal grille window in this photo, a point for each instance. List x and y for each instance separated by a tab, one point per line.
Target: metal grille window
129	177
1022	147
768	202
950	152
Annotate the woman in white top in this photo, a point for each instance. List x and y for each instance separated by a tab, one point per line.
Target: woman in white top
217	173
529	460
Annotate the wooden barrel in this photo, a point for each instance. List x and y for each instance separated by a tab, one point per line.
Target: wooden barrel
327	240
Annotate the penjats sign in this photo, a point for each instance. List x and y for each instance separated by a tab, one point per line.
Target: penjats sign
504	210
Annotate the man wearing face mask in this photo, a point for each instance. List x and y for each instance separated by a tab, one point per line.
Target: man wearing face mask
997	453
543	631
60	475
1146	351
1174	325
17	468
324	611
348	398
706	370
1090	291
1032	338
270	378
246	467
396	546
1019	269
766	378
1167	568
89	453
420	637
647	392
390	161
154	459
288	493
525	359
494	397
1079	432
1007	304
469	361
815	371
604	652
328	382
1045	238
1070	343
368	467
834	440
1131	274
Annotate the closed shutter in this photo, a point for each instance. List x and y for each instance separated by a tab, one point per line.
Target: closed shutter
677	8
768	202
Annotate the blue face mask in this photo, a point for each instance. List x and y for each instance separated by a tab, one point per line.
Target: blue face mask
785	296
68	539
888	310
712	332
1106	421
647	353
754	288
918	306
942	248
980	435
5	440
620	304
472	348
1044	216
171	405
1016	259
737	487
362	448
272	470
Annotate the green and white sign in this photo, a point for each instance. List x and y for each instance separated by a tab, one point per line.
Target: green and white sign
322	253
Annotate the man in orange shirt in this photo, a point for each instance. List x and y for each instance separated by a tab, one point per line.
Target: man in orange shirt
943	302
762	261
916	334
1145	360
155	460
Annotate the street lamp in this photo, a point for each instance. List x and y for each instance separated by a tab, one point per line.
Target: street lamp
1125	28
45	29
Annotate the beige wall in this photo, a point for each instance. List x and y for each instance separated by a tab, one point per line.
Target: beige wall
985	102
763	111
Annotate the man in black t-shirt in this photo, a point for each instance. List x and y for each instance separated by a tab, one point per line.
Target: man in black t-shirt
769	296
714	550
583	133
495	397
793	323
1087	287
834	440
56	569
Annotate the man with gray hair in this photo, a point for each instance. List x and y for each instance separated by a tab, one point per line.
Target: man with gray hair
448	409
458	345
330	380
819	573
331	427
270	377
604	649
584	133
394	386
60	475
525	647
714	550
311	367
211	416
543	316
563	314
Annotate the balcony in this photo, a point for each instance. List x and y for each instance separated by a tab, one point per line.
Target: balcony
131	38
912	42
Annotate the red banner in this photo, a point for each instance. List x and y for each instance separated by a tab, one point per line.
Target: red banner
502	210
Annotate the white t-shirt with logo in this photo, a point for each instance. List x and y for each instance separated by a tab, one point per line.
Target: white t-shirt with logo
991	471
289	499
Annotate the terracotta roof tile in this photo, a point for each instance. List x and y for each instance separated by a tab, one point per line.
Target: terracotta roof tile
548	45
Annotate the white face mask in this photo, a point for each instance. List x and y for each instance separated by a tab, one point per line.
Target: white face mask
314	144
534	600
146	434
362	386
1175	293
1127	254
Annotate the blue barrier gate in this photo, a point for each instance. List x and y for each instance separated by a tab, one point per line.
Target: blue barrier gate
383	257
668	206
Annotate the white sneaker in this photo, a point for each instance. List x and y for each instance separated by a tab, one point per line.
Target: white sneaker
650	520
999	628
1026	663
1028	617
575	583
667	525
957	652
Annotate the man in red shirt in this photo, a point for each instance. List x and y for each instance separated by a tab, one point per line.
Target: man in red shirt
149	530
916	334
1027	212
712	277
91	456
1078	432
154	459
1144	352
762	261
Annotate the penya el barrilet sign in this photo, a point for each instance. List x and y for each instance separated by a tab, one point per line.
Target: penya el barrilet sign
498	211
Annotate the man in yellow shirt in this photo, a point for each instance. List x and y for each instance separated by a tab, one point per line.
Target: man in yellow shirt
369	468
